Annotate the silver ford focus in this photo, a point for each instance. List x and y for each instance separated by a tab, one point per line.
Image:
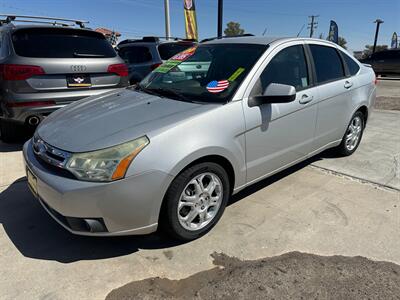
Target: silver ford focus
169	152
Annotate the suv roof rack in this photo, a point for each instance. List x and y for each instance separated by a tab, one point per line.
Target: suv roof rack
226	37
33	19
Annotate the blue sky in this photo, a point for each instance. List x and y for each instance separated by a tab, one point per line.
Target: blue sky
281	17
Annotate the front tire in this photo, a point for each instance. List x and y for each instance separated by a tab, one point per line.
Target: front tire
195	201
352	138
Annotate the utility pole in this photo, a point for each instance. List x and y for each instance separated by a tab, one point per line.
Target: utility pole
378	24
167	24
220	17
265	30
312	25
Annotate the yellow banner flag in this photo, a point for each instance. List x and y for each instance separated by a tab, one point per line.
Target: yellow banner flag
190	20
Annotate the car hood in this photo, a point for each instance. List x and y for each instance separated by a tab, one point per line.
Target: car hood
114	118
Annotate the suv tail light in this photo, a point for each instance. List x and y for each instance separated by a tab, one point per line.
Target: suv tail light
119	69
19	72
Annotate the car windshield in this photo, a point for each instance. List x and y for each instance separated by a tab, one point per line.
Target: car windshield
206	73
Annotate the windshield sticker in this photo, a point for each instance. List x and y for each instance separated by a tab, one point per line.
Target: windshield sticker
235	75
184	55
217	86
167	66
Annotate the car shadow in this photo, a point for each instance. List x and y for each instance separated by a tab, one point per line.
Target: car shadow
36	235
4	147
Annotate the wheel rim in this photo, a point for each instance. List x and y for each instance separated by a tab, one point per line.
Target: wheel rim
200	201
353	133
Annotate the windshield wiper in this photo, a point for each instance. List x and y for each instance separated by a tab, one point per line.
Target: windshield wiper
87	55
139	87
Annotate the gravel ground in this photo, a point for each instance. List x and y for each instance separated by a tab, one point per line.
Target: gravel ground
293	275
389	103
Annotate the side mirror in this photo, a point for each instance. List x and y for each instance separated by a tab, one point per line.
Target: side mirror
274	93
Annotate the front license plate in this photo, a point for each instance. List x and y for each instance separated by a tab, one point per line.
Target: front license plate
78	81
32	181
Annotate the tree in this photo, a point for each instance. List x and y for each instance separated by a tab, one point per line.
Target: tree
342	42
233	28
368	49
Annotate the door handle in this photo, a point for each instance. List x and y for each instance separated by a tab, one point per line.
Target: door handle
348	84
305	99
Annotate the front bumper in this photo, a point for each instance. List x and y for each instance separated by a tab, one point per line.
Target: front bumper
126	207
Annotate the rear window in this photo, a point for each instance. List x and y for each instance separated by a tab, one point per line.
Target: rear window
167	50
351	64
328	64
61	43
135	54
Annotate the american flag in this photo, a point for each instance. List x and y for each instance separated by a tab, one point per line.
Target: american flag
217	86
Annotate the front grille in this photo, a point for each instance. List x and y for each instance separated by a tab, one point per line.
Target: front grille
51	158
49	154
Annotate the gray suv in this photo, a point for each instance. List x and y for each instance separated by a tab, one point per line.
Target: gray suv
144	55
45	67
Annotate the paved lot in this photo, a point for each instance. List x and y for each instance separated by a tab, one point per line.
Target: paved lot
306	208
388	88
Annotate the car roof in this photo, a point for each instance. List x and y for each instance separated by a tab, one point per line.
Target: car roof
156	43
262	40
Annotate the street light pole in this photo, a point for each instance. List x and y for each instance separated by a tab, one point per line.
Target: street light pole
220	17
167	23
378	24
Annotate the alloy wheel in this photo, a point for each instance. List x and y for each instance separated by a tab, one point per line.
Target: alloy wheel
200	201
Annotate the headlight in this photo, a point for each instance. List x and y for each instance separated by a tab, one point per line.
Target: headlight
108	164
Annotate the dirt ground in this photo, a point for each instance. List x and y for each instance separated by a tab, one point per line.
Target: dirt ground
293	275
388	103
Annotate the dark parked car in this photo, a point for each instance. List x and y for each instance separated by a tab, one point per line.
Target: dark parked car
384	62
144	55
45	67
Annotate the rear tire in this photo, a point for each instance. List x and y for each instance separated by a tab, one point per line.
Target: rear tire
195	201
352	137
9	131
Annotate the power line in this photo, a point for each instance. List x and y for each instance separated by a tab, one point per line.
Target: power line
313	24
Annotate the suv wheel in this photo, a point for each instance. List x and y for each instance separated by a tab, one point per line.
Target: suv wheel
195	201
9	131
352	138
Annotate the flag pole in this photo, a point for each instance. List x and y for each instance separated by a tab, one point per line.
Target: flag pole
167	21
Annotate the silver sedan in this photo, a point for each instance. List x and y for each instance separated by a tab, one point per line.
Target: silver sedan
214	119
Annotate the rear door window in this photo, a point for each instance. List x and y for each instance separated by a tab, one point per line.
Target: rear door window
328	64
61	43
167	50
135	54
351	64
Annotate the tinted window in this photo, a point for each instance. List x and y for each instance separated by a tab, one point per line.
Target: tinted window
167	50
328	64
61	43
381	55
135	54
351	64
393	54
287	67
